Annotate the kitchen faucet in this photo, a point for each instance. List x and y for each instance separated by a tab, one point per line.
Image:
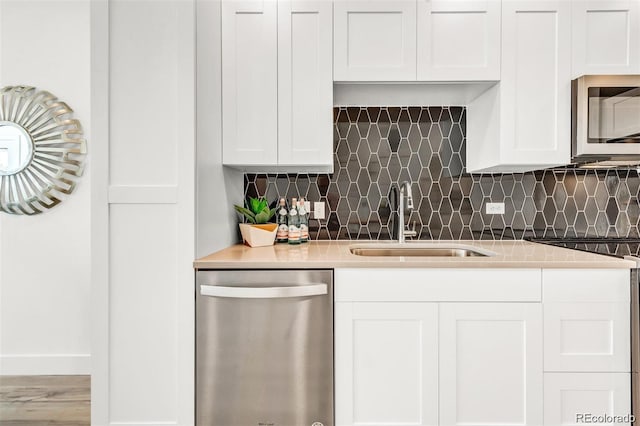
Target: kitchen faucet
405	191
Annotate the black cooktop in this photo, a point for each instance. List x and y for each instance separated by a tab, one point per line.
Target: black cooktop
618	247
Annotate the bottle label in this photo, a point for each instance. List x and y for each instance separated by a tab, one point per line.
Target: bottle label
283	232
293	213
283	212
294	233
304	232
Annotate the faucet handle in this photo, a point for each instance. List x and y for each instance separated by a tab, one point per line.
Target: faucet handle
411	233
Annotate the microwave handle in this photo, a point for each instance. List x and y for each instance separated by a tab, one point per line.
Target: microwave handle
264	292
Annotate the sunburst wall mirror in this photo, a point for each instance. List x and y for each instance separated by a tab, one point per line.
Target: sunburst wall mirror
42	150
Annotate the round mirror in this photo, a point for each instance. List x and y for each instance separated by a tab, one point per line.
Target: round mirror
16	148
42	150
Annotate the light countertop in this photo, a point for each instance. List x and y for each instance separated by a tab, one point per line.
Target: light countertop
336	254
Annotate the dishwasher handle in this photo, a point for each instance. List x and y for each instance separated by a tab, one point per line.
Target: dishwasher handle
264	292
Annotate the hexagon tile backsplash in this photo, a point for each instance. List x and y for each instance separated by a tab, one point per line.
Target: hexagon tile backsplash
375	148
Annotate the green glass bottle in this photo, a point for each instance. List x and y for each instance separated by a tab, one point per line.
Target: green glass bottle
304	222
294	223
282	219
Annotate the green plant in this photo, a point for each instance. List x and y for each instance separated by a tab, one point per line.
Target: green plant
257	210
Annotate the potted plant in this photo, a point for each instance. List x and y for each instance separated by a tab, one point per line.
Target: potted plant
258	232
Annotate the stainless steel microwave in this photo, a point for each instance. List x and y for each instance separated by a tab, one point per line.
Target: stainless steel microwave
605	120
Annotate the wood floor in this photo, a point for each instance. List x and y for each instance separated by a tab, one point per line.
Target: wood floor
45	400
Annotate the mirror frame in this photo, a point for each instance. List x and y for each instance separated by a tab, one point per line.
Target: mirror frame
58	146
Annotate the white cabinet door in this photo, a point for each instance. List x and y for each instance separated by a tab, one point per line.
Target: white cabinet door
570	397
524	122
458	40
606	37
586	337
305	83
536	83
249	82
374	40
490	364
386	364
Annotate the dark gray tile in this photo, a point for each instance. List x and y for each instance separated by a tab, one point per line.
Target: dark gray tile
394	138
377	147
394	114
404	123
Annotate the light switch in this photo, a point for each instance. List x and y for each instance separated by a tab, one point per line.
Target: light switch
318	210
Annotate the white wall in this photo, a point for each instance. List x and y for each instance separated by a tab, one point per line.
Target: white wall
45	259
77	279
218	187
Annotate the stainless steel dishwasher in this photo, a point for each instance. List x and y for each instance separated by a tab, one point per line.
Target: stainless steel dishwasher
264	348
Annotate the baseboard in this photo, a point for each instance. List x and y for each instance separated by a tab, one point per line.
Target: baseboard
55	364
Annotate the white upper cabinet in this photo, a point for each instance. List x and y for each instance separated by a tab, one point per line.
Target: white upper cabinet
536	84
305	83
606	37
374	40
458	40
490	364
524	122
249	82
277	85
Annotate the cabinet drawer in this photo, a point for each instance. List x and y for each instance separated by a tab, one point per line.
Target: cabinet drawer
586	285
438	285
586	337
570	395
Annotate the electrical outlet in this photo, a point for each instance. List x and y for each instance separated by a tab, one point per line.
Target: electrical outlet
495	208
318	210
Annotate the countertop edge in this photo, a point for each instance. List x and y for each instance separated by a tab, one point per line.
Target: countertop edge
616	264
512	254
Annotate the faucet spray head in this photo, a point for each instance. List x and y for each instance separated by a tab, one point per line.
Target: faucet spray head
407	186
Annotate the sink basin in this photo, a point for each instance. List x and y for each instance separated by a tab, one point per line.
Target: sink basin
417	250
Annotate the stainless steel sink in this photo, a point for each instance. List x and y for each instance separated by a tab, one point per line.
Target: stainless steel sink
417	251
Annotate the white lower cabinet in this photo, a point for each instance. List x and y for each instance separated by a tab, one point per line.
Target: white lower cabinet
521	347
490	364
586	346
472	364
583	398
386	363
587	337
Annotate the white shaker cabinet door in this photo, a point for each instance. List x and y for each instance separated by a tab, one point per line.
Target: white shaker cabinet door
374	40
490	364
536	84
386	364
305	83
458	40
587	337
606	37
569	398
249	82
